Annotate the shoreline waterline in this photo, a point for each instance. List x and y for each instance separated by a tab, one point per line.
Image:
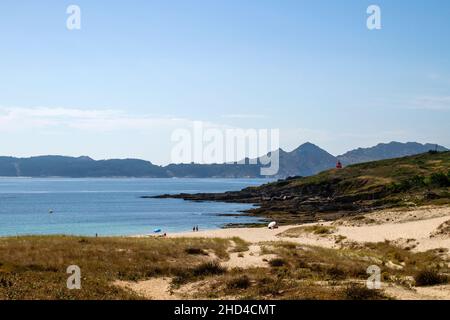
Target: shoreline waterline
114	207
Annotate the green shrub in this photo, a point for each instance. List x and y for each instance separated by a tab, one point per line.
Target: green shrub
360	292
277	262
5	283
429	277
242	282
208	269
336	273
196	251
439	180
407	184
269	286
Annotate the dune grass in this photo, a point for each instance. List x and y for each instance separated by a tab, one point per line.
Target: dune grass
307	272
35	267
239	245
314	229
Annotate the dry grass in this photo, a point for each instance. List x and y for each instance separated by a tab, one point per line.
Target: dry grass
360	292
314	229
305	272
195	273
239	245
35	267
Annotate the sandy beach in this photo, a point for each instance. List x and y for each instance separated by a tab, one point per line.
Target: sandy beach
418	230
416	225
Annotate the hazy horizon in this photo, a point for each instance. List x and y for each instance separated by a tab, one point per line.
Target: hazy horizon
164	164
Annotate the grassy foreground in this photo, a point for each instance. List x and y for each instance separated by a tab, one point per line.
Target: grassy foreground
35	268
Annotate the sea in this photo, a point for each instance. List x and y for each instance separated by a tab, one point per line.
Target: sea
114	206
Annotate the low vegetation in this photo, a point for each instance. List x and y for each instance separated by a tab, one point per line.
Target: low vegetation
239	282
192	250
305	272
430	277
361	292
277	262
239	245
35	268
320	230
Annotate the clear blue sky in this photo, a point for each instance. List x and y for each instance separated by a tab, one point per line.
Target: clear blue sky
138	69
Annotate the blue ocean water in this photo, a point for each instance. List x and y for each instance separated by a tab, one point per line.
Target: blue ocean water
112	206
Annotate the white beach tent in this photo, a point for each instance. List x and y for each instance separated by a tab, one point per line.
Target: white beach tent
272	225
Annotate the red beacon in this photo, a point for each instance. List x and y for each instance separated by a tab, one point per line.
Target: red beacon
338	165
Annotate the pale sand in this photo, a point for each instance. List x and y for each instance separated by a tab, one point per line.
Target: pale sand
441	292
417	230
408	227
153	289
256	235
396	226
252	258
397	215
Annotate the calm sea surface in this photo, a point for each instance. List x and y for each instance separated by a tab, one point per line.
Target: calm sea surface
112	206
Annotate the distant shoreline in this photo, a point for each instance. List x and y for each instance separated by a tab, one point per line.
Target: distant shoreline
306	160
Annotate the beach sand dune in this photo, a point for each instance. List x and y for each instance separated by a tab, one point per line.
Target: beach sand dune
416	228
417	224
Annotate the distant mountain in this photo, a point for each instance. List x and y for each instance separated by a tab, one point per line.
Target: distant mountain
59	166
387	151
308	159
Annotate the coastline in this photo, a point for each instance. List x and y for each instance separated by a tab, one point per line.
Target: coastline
413	231
414	226
315	261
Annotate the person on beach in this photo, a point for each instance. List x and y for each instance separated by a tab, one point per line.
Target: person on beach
196	228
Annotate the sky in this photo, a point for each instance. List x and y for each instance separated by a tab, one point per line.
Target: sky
137	71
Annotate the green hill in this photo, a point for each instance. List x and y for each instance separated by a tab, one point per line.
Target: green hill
306	160
410	181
